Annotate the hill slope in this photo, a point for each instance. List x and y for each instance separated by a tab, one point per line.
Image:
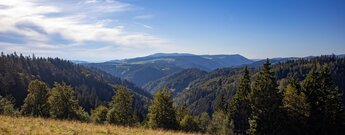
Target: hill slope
93	87
175	82
28	125
142	70
203	92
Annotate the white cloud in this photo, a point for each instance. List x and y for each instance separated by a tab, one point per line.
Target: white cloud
143	17
38	22
145	26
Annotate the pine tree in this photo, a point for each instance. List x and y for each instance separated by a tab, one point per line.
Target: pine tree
265	103
221	103
35	104
220	124
188	123
181	112
297	108
121	111
239	106
326	108
161	111
333	109
63	104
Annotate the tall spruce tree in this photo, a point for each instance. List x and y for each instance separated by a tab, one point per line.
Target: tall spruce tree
239	109
265	102
326	108
333	106
35	103
296	107
161	111
121	111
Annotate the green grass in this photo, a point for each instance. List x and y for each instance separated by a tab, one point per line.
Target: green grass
40	126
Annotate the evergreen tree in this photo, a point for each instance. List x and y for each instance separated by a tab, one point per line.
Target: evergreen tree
326	108
239	106
297	108
121	111
181	112
333	109
99	115
161	111
203	120
221	103
63	104
219	125
35	103
188	123
185	119
265	104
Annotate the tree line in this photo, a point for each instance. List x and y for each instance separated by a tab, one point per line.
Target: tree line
60	102
312	106
92	87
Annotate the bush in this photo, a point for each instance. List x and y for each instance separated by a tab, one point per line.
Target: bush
99	115
188	123
7	106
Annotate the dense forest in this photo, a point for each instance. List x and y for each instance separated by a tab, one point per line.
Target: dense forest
301	96
176	82
93	87
202	93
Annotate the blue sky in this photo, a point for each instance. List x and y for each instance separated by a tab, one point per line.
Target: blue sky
99	30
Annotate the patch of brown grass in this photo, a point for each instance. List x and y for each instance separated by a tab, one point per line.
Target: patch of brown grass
40	126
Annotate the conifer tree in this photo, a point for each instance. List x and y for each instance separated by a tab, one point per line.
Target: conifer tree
326	108
296	107
220	124
221	103
188	123
181	111
121	111
333	109
239	106
161	111
265	104
35	104
63	104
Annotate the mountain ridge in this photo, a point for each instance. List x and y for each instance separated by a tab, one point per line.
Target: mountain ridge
142	70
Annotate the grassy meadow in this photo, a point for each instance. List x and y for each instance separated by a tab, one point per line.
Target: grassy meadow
29	125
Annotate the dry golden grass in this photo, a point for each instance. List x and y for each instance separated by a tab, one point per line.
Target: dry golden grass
40	126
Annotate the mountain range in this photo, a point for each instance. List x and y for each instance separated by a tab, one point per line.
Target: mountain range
143	70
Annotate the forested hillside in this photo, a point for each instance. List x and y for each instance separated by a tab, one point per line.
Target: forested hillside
175	82
93	87
205	91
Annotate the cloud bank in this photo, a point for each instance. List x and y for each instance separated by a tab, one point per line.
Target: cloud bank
72	29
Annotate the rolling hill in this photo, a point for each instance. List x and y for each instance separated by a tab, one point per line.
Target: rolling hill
142	70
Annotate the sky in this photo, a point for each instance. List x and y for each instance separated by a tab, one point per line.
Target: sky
101	30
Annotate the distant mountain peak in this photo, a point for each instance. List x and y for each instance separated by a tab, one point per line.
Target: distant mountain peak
169	54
